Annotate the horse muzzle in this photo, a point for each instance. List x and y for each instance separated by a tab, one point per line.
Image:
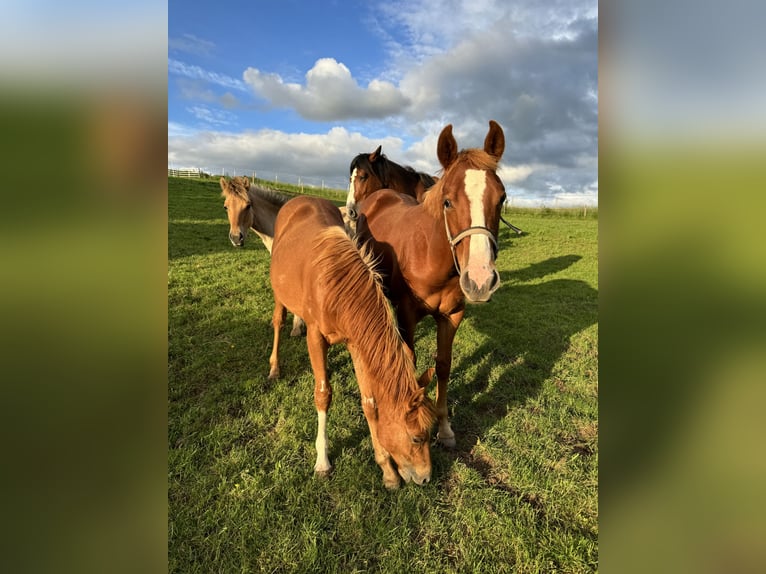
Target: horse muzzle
418	478
479	287
237	240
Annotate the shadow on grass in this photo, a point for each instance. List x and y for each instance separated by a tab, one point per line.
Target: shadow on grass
525	330
197	238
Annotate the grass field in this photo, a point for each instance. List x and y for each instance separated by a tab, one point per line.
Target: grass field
519	492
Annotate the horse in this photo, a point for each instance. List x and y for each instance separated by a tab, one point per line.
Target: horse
436	255
318	272
370	172
250	207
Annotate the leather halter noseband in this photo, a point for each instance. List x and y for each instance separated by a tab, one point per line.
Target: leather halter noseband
474	230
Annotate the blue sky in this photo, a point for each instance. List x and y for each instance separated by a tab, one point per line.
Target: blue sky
296	89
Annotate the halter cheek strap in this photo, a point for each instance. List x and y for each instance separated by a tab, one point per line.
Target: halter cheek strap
453	241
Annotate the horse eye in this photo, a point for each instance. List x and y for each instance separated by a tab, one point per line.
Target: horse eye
447	203
248	206
225	208
417	440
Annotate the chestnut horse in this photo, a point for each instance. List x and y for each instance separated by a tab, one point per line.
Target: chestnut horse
374	171
318	273
437	254
250	207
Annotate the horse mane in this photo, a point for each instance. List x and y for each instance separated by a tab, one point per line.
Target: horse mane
239	186
273	197
474	158
362	308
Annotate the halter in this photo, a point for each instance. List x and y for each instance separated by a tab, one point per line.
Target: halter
474	230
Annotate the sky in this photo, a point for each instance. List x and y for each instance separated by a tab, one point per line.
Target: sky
295	89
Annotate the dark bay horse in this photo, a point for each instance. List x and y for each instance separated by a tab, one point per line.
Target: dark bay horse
370	172
250	207
318	273
437	254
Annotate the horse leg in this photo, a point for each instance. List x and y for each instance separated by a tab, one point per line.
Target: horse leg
298	326
406	319
317	346
276	321
446	327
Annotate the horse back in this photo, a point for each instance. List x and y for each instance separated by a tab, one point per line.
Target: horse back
292	272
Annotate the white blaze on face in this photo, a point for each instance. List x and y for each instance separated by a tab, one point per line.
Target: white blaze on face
350	202
480	250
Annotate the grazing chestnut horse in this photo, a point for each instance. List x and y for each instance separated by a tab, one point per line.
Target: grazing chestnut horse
318	273
250	207
374	171
437	254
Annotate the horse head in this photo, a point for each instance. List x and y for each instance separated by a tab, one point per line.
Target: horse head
472	196
238	208
363	181
404	432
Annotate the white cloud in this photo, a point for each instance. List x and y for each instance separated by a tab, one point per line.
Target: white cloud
531	68
211	116
329	94
197	73
191	44
313	157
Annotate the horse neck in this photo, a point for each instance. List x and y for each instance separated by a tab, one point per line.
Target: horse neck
265	214
404	180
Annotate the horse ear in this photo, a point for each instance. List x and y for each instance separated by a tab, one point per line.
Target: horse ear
446	149
494	143
223	183
246	181
417	399
426	377
376	154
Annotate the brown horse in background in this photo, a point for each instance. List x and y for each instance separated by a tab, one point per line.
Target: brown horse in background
437	254
318	273
250	207
374	171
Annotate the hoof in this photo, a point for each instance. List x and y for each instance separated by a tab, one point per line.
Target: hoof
322	472
447	441
296	332
273	374
391	485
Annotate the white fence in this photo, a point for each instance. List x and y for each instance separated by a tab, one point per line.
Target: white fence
301	181
193	172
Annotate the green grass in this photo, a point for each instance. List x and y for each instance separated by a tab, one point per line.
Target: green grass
519	492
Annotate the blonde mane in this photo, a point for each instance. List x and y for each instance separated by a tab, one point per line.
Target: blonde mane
239	186
247	191
365	314
473	159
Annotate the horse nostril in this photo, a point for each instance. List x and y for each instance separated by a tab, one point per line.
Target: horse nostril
495	280
352	213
